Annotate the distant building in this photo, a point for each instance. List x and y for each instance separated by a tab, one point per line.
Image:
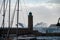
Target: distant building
58	24
54	28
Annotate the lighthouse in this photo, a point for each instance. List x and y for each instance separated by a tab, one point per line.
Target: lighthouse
30	21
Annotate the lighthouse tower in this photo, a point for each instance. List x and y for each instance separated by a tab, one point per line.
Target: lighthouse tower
30	21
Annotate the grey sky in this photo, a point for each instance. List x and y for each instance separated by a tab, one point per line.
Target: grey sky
47	11
54	1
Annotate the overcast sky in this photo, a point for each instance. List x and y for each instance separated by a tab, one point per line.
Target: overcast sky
47	11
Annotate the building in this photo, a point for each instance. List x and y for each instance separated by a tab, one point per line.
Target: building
30	22
54	28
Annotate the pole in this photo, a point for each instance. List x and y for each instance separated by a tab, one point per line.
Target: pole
3	16
9	12
17	17
18	14
4	13
9	20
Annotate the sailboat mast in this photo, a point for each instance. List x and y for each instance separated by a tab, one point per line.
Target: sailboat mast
3	13
9	12
17	13
9	20
3	16
17	17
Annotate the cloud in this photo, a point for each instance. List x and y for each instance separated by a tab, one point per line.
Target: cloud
0	1
46	13
42	12
54	1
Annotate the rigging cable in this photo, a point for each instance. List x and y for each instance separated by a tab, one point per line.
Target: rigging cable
1	6
5	9
25	9
1	9
13	14
9	20
21	11
23	14
20	5
25	5
6	6
4	16
0	12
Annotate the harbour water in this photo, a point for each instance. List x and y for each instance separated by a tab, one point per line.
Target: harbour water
40	38
45	38
48	38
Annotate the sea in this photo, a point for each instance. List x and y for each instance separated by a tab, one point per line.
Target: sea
39	38
48	38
